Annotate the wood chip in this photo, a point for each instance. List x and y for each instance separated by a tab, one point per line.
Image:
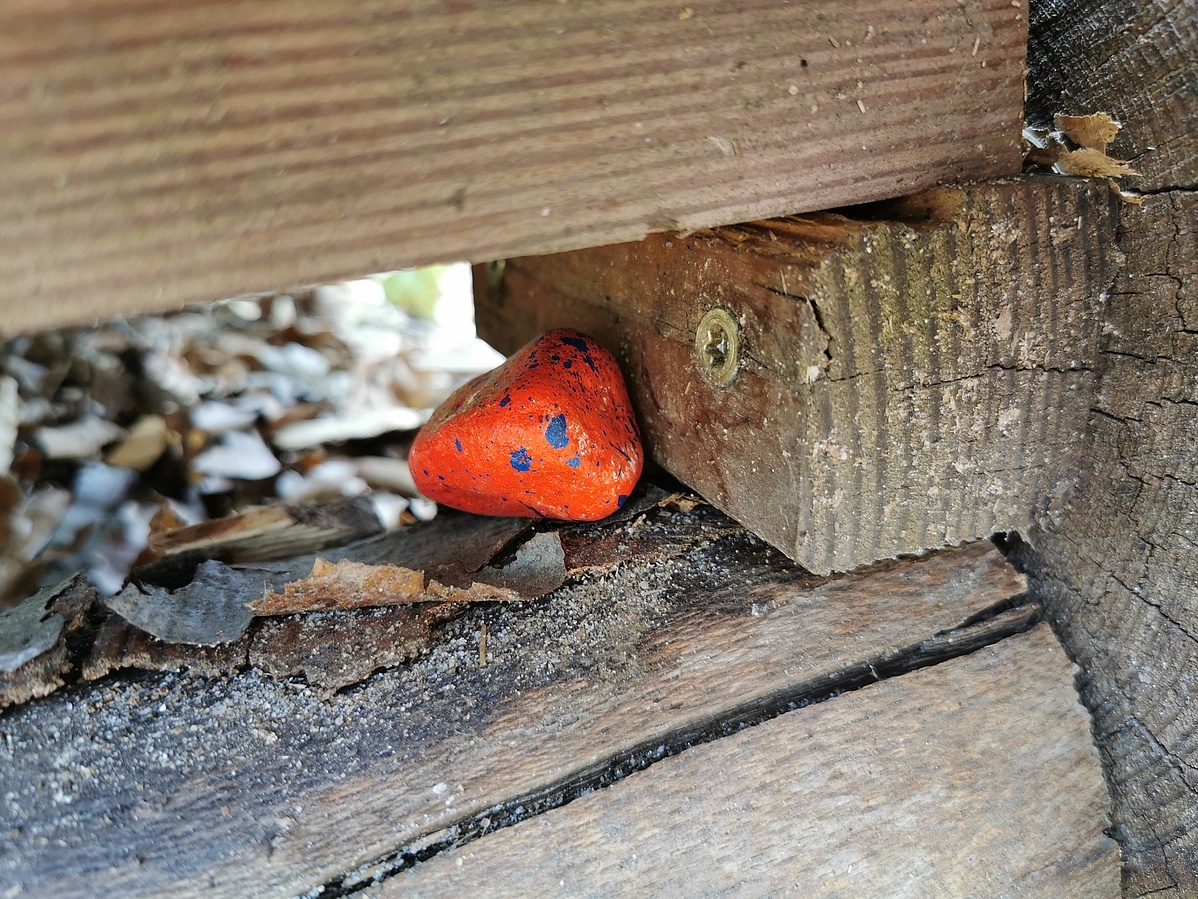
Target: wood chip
82	439
9	420
1094	132
1088	163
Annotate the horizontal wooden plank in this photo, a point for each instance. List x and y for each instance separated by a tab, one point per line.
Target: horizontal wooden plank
916	375
157	153
974	778
246	785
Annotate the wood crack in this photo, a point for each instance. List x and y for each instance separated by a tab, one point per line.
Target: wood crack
1013	616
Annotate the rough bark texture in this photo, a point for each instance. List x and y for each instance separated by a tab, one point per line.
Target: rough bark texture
1132	59
1118	566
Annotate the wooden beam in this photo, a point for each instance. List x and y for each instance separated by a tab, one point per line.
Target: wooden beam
915	375
156	153
928	779
169	785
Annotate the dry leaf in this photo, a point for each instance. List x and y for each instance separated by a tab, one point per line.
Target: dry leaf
212	609
1087	163
145	444
1093	132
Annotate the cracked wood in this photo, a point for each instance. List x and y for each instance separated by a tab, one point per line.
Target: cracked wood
241	785
1118	567
154	154
912	374
912	759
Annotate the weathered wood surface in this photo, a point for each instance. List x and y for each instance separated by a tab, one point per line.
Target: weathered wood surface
155	153
1117	566
244	785
974	778
903	383
1134	60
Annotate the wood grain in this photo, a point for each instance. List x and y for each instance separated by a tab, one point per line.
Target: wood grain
918	375
243	785
975	778
1134	60
157	153
1116	565
1119	569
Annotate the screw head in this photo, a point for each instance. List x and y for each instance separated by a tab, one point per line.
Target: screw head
717	347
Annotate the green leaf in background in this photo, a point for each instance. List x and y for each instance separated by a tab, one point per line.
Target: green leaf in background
415	291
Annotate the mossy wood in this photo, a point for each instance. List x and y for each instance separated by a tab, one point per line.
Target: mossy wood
906	376
156	153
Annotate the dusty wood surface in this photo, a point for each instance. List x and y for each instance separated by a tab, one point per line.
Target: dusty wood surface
904	382
876	793
165	785
156	153
1117	567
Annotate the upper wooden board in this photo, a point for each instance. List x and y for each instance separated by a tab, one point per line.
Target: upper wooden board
156	153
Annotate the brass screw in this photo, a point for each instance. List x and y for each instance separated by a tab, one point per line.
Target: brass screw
717	347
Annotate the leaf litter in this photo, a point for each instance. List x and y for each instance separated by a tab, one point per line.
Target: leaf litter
233	484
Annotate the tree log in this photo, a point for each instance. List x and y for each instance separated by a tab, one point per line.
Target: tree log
1117	565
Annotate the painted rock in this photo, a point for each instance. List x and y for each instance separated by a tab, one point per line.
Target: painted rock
549	433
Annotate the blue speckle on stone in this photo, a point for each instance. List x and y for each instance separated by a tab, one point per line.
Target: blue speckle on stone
620	500
505	401
521	460
583	347
556	432
458	444
574	463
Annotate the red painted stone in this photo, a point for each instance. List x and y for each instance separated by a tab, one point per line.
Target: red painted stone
550	433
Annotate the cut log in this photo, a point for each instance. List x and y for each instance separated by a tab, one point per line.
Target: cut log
243	785
851	389
1118	566
154	154
975	778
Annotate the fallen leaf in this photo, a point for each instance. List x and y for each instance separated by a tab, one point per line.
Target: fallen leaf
144	445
